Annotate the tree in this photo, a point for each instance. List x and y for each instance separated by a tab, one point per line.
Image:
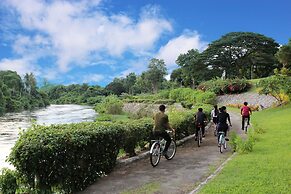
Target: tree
129	82
192	69
176	76
30	84
155	73
278	86
116	86
284	55
237	53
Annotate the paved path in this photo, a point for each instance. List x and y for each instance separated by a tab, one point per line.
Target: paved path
182	174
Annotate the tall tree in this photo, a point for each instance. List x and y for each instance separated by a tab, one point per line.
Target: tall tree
237	52
155	74
284	55
192	69
116	86
129	82
30	84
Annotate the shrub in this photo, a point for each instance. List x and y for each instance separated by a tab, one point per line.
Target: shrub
110	105
252	107
136	132
8	184
278	86
68	156
189	96
228	86
242	145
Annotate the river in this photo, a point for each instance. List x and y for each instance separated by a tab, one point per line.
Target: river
12	123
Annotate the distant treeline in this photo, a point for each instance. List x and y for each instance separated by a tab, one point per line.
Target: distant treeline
18	94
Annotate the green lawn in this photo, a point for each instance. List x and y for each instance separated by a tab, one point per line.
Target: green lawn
268	168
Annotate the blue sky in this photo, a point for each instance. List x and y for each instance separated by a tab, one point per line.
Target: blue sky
93	41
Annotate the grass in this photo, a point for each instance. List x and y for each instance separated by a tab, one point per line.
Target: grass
145	189
109	117
268	168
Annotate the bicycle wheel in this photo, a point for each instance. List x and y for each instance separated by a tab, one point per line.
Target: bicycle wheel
171	151
221	143
224	145
199	138
155	154
246	124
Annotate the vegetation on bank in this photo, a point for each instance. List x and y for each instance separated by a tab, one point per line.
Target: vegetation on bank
18	94
265	170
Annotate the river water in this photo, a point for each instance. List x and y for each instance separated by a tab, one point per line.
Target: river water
12	123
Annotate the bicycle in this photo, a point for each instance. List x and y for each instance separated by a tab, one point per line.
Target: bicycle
221	141
245	127
157	149
199	135
215	129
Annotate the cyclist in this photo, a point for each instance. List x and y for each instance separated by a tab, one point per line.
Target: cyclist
245	112
214	114
161	124
223	117
200	118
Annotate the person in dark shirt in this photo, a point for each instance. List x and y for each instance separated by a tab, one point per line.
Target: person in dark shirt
161	124
222	118
200	118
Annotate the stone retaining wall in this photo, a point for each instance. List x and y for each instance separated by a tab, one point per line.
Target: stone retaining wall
264	101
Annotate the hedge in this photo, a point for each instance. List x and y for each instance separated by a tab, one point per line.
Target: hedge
70	157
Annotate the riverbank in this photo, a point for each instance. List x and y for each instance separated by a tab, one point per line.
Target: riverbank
12	123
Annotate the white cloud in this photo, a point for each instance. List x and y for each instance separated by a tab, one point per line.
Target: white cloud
21	66
93	78
75	33
181	44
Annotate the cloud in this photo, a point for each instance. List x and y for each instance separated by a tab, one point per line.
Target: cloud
181	44
21	66
93	78
76	33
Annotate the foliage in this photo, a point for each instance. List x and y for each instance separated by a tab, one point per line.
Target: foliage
190	96
241	54
284	55
227	86
17	94
278	86
67	156
252	107
116	87
8	184
75	94
155	73
241	145
110	105
192	70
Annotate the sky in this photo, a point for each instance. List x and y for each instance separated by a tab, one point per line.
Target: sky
94	41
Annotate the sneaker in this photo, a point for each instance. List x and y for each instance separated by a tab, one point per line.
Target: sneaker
203	135
226	139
